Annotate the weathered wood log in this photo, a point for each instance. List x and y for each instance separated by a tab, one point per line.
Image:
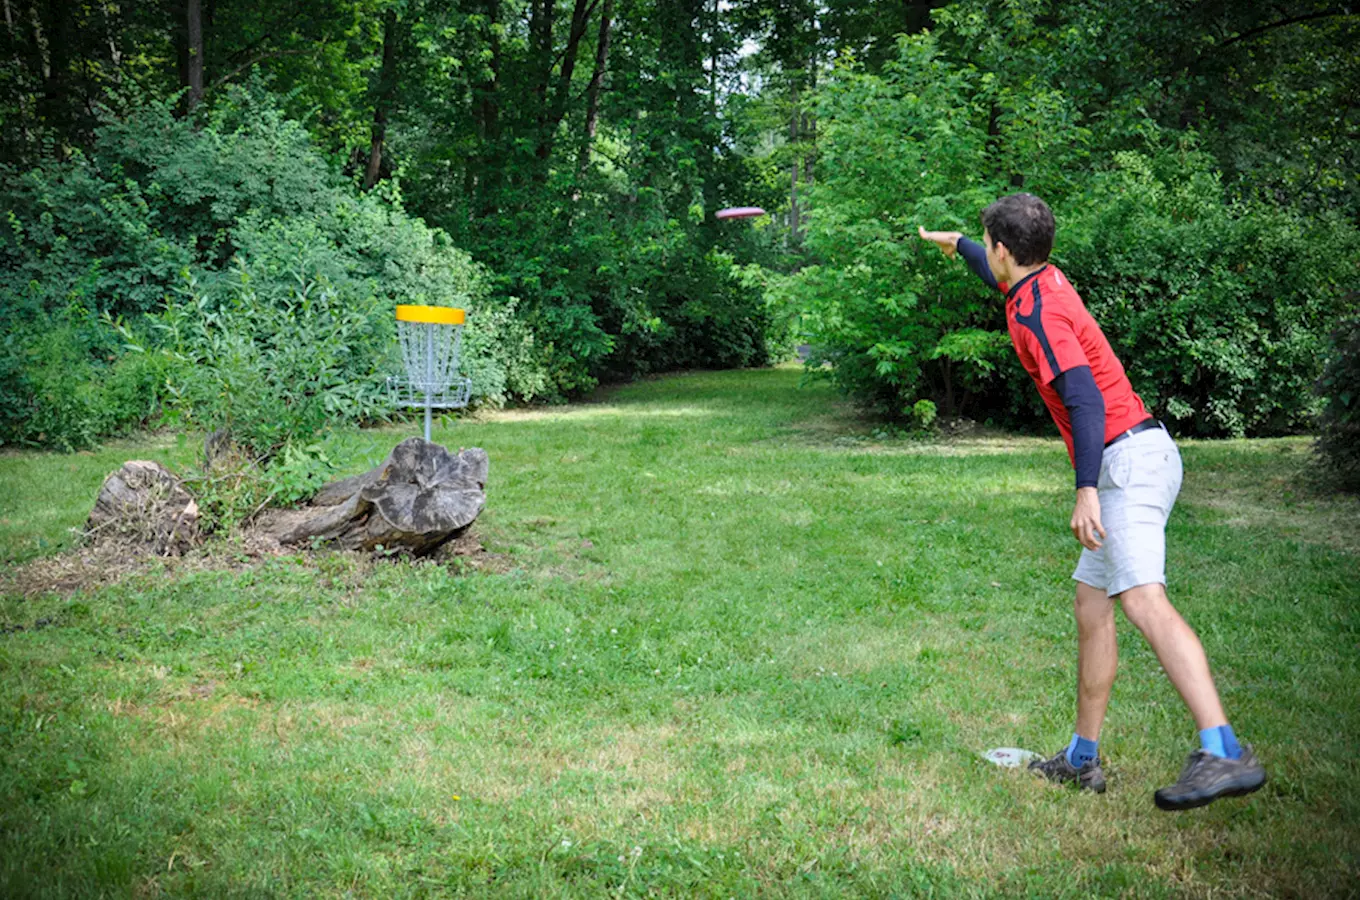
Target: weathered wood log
143	503
420	497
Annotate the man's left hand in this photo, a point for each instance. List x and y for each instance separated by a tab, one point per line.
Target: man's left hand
1086	526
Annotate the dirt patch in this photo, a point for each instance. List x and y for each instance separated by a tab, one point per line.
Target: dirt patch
105	560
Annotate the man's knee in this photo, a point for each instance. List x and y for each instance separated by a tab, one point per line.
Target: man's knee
1145	604
1094	609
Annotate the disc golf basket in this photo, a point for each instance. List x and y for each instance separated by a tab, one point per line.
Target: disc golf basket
430	339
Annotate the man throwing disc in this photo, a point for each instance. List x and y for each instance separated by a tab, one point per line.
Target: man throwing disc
1128	475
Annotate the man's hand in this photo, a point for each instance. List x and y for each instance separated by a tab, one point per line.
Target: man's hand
1086	526
948	241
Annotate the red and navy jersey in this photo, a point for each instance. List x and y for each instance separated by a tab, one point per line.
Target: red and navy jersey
1053	333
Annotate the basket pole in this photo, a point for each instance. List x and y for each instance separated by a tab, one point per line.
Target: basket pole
430	355
429	377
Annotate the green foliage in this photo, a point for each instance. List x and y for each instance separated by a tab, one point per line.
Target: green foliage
65	382
287	326
234	483
924	414
577	151
1218	308
1219	311
278	371
230	491
607	241
1338	440
897	321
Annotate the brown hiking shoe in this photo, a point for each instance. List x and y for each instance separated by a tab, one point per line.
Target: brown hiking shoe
1206	777
1089	777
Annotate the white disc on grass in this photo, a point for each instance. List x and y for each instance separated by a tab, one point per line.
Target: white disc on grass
1010	757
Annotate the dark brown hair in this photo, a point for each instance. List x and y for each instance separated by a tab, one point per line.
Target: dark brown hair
1024	223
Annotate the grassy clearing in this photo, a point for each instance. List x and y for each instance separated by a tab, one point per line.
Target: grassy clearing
741	648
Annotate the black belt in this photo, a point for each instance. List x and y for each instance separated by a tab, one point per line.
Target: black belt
1144	425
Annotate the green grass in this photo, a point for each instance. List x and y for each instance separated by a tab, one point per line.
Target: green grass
735	646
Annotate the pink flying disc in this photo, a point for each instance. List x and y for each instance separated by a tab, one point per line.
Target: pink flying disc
739	212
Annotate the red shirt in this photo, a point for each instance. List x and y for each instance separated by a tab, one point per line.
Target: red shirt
1052	332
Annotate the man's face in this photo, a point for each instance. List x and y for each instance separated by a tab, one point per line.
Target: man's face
994	255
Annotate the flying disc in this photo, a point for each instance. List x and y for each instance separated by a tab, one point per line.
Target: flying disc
1010	757
739	212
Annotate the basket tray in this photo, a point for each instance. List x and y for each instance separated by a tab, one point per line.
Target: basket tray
451	395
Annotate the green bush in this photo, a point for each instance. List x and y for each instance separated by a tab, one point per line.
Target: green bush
288	326
1219	310
240	202
896	320
702	312
274	372
65	383
620	274
1338	426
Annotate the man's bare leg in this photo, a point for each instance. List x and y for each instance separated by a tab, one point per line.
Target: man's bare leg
1097	657
1178	650
1209	773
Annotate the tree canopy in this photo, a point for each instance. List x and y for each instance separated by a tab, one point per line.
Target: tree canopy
575	151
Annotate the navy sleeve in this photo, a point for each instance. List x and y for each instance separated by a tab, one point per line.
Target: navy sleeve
1086	408
975	255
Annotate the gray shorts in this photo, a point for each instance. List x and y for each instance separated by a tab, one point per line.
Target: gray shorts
1139	479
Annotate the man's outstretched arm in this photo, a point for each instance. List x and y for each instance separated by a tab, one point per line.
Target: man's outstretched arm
951	242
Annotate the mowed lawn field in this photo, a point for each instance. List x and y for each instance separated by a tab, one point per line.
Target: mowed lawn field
726	643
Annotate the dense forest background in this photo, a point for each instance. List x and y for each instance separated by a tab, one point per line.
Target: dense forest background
211	205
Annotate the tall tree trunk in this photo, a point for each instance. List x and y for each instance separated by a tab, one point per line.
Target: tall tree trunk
387	80
56	105
40	44
810	127
111	32
486	178
540	44
794	236
194	42
593	89
20	89
557	106
713	44
56	48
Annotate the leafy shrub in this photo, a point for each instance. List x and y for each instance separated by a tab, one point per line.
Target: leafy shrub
298	473
64	384
230	488
278	372
923	414
1219	311
288	326
1219	308
622	273
897	321
702	312
1338	440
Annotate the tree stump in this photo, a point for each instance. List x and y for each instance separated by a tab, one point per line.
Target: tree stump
144	504
420	497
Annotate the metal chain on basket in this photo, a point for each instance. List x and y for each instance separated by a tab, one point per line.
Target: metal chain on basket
431	341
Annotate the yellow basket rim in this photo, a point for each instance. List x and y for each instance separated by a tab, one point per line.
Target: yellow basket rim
432	315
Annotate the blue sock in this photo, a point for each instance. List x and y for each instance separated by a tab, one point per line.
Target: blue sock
1081	750
1231	748
1211	741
